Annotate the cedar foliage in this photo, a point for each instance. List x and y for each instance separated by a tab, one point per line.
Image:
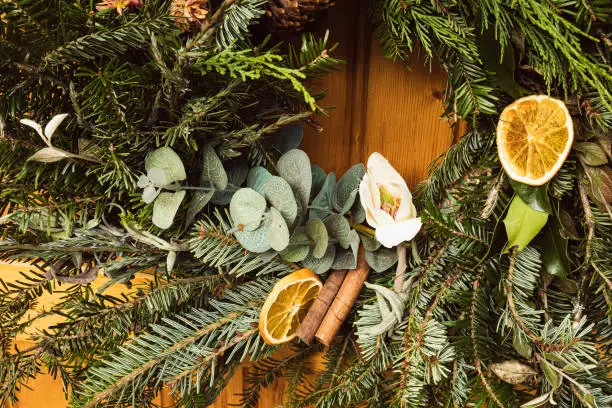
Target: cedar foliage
137	82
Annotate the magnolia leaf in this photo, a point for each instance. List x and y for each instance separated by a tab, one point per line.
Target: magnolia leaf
321	206
256	241
316	231
247	209
165	207
322	264
522	224
534	196
257	178
347	188
382	259
339	228
166	159
280	196
294	167
299	246
554	251
591	153
49	155
513	372
157	177
318	178
149	194
53	125
212	169
287	138
521	345
199	202
278	233
537	402
552	376
170	261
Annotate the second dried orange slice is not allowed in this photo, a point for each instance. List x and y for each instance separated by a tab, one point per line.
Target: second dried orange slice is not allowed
534	137
287	305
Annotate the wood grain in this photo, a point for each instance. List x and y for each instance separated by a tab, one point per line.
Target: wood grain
377	106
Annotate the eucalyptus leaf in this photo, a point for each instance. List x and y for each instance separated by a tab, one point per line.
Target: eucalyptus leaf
278	233
339	228
521	345
157	176
166	159
165	207
318	178
257	178
247	209
256	241
382	259
236	175
170	261
212	169
198	203
280	196
591	153
513	372
552	376
299	246
149	194
294	167
522	224
316	231
347	188
537	402
534	196
287	138
322	264
321	206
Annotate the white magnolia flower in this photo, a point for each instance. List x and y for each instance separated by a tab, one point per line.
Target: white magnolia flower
49	129
388	203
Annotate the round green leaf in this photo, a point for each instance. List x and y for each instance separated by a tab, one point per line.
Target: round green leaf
280	196
157	177
316	231
294	167
257	178
382	259
255	241
299	246
247	209
278	234
165	207
322	264
166	159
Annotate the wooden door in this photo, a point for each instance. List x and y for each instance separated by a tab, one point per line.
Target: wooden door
379	106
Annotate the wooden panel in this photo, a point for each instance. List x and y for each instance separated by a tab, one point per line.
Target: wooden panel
377	106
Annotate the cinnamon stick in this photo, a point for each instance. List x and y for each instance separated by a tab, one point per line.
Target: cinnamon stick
313	319
342	304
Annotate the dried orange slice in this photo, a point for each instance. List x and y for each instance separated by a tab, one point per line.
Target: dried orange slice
534	137
287	305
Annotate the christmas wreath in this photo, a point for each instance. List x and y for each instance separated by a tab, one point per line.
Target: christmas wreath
161	138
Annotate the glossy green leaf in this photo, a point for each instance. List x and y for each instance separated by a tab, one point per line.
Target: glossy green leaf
554	251
165	207
212	169
247	209
280	196
552	376
316	231
522	224
521	344
534	196
347	188
321	206
166	159
501	65
294	167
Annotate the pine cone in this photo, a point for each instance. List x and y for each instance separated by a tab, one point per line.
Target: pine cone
188	12
283	15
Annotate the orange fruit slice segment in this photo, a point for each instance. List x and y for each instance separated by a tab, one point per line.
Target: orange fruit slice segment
287	305
534	137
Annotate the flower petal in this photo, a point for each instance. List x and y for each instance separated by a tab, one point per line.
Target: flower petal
391	235
381	170
53	124
34	126
406	209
